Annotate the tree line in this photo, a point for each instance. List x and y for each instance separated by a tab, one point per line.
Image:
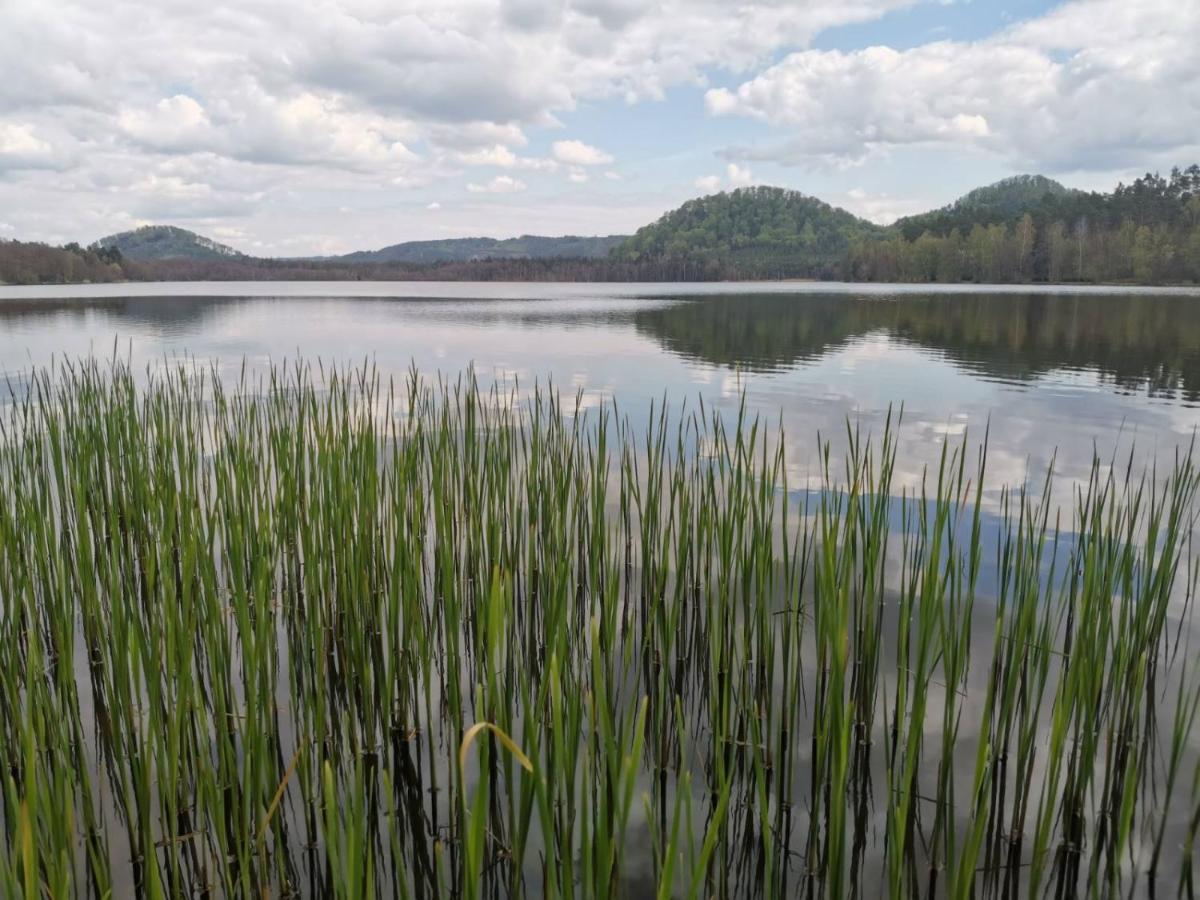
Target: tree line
32	263
1147	232
578	269
1059	251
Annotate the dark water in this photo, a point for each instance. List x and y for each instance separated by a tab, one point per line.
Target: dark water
1051	375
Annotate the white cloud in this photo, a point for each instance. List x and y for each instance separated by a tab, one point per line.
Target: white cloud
577	153
735	176
433	206
495	155
474	135
19	140
230	233
532	15
172	122
500	156
172	186
22	148
881	208
1093	84
501	184
462	60
158	197
301	129
577	176
412	180
313	129
738	176
287	111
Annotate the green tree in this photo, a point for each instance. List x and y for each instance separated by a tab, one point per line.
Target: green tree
1026	239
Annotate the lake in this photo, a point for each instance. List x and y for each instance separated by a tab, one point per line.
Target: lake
1050	373
848	687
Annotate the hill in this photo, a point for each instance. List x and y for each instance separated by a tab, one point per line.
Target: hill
1027	229
757	232
155	242
1012	196
1145	232
527	246
1004	201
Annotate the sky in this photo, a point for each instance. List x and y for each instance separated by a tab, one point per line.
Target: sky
296	127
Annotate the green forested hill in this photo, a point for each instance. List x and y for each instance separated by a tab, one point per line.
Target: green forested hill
1003	201
154	242
1145	232
763	232
1023	229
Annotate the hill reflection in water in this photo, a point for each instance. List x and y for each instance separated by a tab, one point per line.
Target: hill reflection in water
1133	343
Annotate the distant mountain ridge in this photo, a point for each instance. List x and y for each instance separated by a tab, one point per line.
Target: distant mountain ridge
159	242
527	246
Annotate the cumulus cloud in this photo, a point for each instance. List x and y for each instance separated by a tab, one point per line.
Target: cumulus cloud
457	61
170	123
156	197
1095	83
501	184
735	177
739	176
312	129
230	233
495	155
299	129
22	148
111	112
19	140
310	102
577	153
880	207
500	156
532	15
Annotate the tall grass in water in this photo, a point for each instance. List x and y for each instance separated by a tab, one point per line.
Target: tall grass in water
321	635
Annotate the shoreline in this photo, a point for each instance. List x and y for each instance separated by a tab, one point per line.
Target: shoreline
559	290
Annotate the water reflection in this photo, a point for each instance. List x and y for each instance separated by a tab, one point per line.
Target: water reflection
1053	376
1133	343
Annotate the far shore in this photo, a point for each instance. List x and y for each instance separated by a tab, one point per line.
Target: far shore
546	290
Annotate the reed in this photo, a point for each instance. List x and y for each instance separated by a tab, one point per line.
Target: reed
312	632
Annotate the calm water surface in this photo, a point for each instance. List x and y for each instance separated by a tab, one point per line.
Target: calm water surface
1052	377
1053	374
